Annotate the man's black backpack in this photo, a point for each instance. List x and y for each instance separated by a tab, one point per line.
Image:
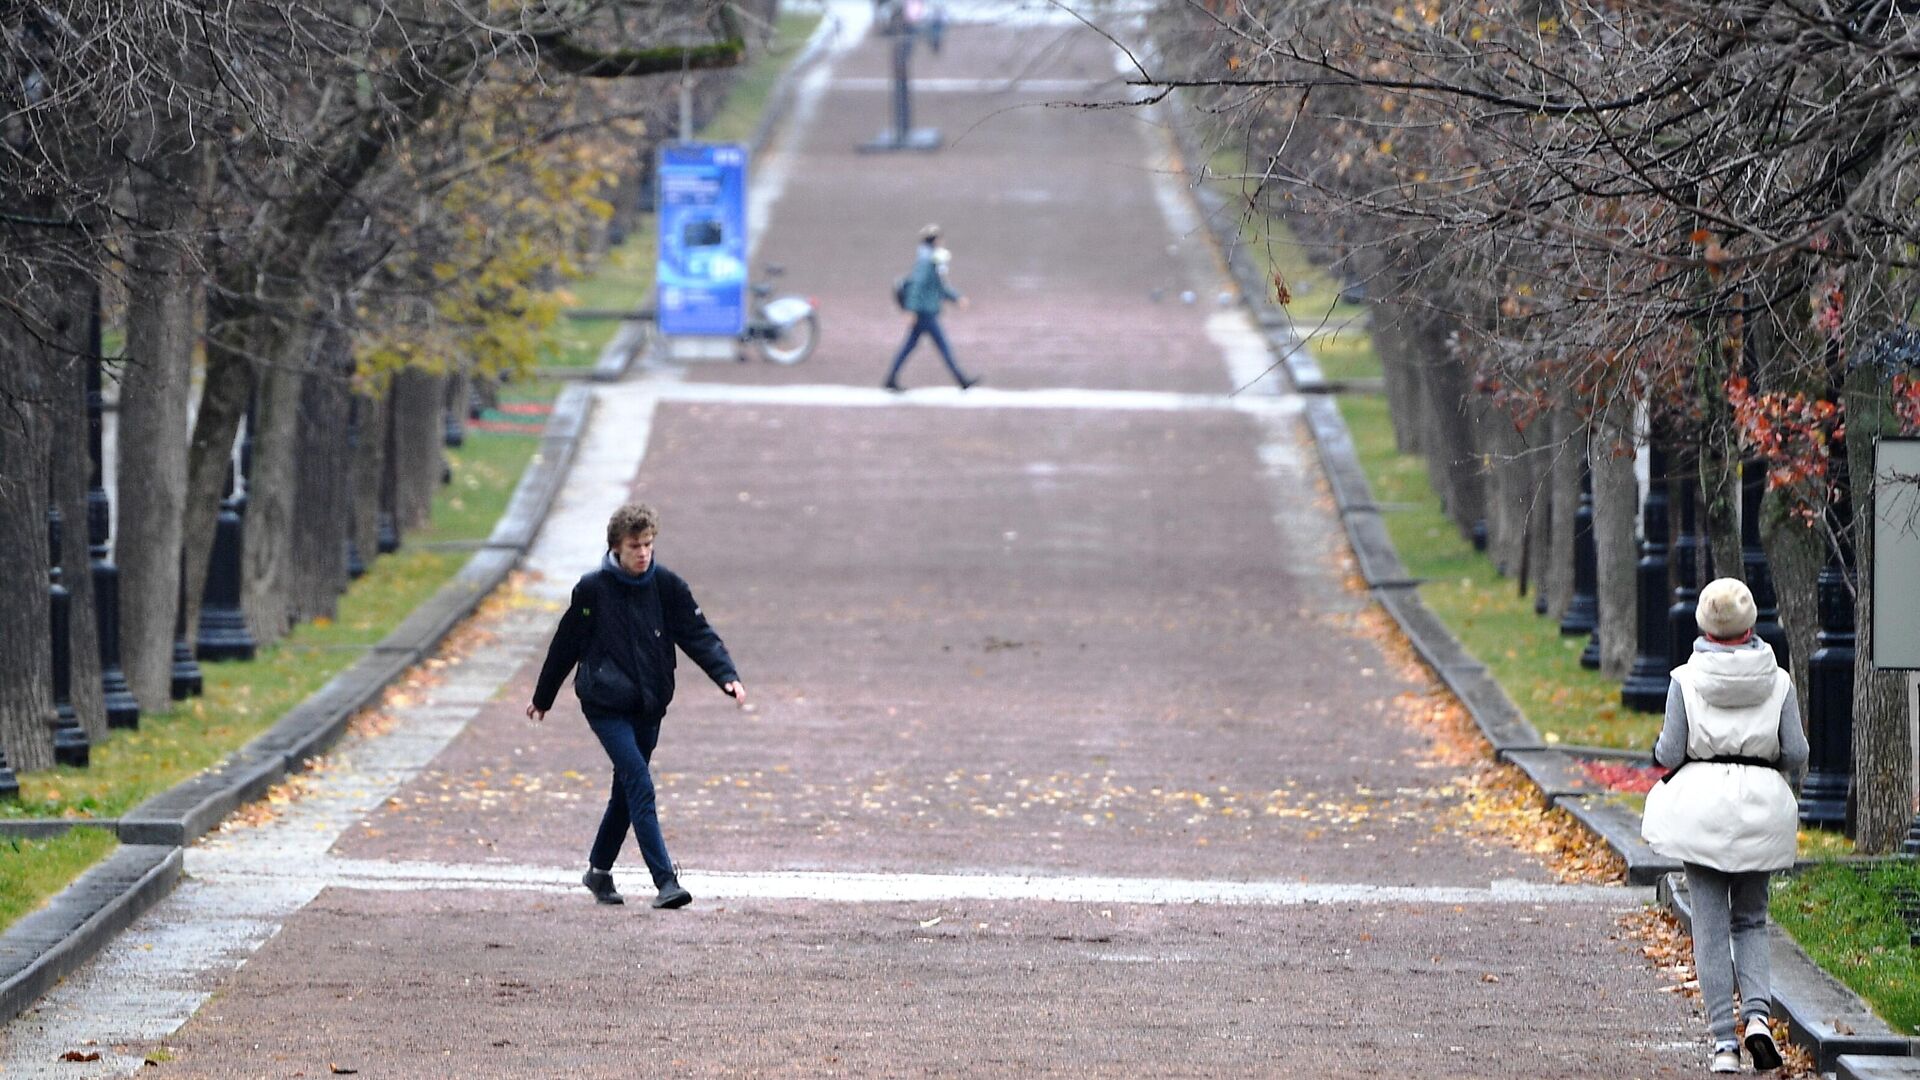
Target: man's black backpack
900	292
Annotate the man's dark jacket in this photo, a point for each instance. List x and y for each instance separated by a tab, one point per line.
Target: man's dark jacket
621	630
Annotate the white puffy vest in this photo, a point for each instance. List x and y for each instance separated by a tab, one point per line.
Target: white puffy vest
1731	817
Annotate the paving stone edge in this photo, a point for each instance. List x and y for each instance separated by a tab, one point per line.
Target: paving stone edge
78	922
1818	1008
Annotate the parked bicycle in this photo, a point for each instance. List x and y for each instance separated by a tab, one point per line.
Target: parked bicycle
782	329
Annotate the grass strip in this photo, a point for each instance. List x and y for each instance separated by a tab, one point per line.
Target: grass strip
1848	919
32	870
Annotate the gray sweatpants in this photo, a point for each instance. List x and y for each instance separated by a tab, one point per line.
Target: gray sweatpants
1730	945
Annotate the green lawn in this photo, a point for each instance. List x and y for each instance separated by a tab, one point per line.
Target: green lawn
1848	921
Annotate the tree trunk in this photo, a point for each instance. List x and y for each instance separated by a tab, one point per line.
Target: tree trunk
26	650
270	491
152	489
1882	735
1616	509
369	463
1795	554
1563	482
322	488
418	430
223	400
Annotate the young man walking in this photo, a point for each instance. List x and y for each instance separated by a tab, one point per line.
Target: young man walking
922	293
621	629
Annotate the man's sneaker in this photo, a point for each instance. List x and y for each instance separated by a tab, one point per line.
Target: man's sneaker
1726	1058
1760	1047
600	884
672	896
968	384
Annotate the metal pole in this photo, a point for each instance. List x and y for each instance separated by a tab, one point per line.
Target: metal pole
122	710
1753	561
70	743
1583	610
1645	689
1687	550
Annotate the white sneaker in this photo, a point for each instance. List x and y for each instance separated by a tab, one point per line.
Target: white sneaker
1726	1059
1760	1047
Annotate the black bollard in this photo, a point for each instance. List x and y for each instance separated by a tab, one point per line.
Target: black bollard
9	783
122	710
223	627
1688	547
1646	687
1583	610
455	434
1478	534
1753	561
186	680
70	743
1823	799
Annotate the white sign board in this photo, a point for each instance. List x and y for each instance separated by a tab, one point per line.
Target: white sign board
1896	554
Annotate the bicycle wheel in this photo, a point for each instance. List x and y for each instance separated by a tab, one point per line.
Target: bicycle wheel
791	343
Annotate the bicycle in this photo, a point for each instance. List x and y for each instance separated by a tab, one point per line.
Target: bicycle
783	329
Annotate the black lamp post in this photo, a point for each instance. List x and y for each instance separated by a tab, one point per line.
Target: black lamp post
223	627
186	680
1688	546
1583	610
122	710
1646	687
9	783
904	32
70	743
1823	799
1753	562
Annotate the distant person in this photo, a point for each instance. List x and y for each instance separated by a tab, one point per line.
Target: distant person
1729	811
921	294
621	629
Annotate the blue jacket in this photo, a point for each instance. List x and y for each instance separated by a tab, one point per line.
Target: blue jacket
926	285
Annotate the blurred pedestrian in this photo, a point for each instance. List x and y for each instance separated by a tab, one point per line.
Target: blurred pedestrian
621	629
1729	810
921	294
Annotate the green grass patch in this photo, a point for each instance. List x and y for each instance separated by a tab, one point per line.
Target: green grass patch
1848	919
1524	652
244	698
746	101
33	870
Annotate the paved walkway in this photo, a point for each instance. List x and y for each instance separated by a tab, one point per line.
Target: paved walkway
1066	756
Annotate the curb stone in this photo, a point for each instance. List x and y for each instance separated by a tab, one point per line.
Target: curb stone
48	945
78	922
1821	1013
1812	1001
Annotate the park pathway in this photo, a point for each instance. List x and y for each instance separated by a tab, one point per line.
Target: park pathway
1067	754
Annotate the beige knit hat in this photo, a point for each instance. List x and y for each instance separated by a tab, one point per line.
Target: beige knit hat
1726	609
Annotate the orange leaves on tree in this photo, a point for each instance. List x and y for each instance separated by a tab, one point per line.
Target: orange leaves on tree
1281	294
1795	434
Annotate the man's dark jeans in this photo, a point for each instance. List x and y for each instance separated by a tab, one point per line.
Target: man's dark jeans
629	743
930	326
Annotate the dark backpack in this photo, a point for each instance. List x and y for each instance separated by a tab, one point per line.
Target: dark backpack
900	292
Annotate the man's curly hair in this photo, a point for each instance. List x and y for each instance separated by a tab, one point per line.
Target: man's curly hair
631	520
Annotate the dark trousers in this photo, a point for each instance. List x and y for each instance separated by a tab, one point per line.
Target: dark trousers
930	326
629	743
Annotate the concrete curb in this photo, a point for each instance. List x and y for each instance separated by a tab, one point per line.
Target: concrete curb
46	946
80	921
1821	1013
1817	1007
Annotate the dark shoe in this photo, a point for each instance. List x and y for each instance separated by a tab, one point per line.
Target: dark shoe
968	384
672	896
600	884
892	387
1760	1047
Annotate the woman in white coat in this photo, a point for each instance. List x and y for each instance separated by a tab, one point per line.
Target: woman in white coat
1728	810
